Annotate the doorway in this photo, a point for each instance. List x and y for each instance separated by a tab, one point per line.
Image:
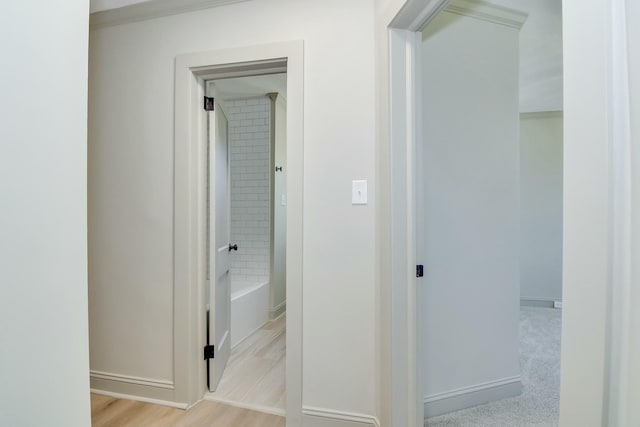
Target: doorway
246	268
190	259
404	33
496	362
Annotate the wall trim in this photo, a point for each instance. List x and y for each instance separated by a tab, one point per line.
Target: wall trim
466	397
140	398
278	310
541	115
349	418
539	301
485	11
148	382
150	10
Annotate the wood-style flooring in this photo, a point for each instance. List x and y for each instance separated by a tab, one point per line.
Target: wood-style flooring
111	412
255	373
254	377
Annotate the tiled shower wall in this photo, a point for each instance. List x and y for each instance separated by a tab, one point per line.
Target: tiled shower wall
249	123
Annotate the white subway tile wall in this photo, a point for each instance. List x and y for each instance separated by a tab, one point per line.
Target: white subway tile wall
249	122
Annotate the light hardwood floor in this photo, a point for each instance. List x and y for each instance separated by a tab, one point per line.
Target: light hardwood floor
111	412
255	377
255	373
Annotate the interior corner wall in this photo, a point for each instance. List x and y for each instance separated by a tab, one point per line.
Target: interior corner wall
44	362
471	184
131	118
541	207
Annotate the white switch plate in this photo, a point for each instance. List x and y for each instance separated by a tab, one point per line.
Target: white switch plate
359	192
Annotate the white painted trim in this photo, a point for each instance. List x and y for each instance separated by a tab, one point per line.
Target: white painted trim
539	301
274	411
549	299
486	11
189	208
466	397
415	15
140	399
541	115
148	382
401	383
150	10
349	417
404	330
623	344
278	311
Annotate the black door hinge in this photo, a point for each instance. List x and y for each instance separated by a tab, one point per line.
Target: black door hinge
208	104
419	270
209	352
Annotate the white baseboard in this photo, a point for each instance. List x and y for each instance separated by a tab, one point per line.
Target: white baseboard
149	382
320	417
278	310
466	397
134	388
539	302
140	399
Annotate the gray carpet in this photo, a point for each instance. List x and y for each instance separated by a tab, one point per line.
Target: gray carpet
538	405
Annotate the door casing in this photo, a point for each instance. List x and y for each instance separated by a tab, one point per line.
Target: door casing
191	71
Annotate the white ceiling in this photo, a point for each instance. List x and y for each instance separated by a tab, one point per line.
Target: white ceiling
250	87
540	50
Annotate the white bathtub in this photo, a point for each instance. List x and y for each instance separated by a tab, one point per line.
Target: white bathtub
249	311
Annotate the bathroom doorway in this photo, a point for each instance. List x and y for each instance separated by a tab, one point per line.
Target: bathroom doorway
246	230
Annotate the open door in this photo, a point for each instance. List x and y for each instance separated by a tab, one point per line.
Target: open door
218	283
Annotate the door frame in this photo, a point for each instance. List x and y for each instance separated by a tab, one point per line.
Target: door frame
599	234
399	31
191	70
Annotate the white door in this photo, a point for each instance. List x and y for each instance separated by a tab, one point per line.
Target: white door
219	247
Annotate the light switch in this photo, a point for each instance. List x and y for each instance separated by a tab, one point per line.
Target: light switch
359	192
283	200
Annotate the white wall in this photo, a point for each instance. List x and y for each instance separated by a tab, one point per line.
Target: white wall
541	206
540	54
44	361
470	181
131	178
249	146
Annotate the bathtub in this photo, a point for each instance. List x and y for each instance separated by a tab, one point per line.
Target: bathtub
249	311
